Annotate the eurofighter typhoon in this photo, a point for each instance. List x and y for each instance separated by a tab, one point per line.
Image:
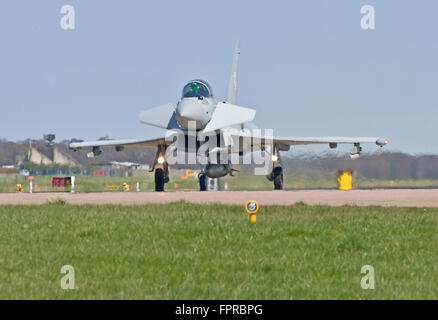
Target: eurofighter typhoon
226	128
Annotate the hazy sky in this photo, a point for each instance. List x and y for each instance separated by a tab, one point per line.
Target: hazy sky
306	66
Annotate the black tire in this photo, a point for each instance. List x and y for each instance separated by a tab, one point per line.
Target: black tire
202	182
278	178
159	180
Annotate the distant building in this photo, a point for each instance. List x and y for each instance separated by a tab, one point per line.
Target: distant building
49	156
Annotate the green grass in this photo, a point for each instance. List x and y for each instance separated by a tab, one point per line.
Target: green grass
240	182
98	184
187	251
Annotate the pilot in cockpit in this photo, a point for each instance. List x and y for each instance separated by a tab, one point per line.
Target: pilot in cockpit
197	89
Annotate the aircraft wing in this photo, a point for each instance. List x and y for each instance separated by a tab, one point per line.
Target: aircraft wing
329	140
117	143
285	143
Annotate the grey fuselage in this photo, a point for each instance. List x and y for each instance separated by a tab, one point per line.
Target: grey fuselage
197	104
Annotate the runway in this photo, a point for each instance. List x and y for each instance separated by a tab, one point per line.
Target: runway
380	197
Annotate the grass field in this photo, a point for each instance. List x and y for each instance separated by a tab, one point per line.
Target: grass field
186	251
241	181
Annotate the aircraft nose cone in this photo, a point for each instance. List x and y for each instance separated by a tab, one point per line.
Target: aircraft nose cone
190	110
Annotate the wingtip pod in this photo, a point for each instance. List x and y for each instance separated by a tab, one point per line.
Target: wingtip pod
381	142
73	146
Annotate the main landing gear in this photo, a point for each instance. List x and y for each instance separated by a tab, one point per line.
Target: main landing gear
277	177
202	178
161	169
161	177
276	174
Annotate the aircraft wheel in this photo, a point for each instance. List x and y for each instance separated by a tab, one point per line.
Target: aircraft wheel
202	182
278	178
159	180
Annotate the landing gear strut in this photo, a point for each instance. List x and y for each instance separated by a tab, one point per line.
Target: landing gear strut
161	177
278	178
161	169
202	178
277	170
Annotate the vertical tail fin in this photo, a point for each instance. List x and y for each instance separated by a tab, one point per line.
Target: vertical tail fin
232	85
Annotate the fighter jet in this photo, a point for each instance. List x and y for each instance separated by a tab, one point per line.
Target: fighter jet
199	111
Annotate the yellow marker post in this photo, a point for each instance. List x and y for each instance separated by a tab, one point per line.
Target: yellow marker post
345	180
252	206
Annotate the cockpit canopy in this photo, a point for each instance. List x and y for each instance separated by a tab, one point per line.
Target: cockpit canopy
197	88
